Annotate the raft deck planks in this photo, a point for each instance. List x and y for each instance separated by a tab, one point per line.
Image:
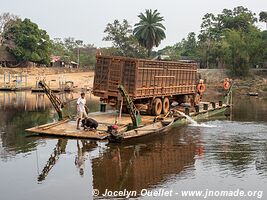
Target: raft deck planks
67	128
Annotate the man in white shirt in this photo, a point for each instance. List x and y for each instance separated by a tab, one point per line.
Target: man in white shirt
81	112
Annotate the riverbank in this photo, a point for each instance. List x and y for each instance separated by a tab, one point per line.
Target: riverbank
255	82
83	78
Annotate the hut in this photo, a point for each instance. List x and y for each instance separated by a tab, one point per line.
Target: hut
58	61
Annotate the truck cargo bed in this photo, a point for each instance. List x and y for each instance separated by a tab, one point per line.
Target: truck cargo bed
143	78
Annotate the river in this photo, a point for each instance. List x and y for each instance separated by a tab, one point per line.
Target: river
227	154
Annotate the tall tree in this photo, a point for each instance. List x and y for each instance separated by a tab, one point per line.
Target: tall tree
236	51
68	49
173	52
150	31
27	42
263	17
239	18
213	30
189	46
5	20
121	36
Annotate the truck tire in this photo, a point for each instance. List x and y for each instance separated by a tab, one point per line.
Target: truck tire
156	107
165	105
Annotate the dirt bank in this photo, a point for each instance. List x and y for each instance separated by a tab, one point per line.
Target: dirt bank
82	78
255	82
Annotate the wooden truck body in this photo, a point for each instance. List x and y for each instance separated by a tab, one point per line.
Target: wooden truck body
144	80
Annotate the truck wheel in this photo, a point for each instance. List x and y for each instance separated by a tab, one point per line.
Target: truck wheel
156	107
166	105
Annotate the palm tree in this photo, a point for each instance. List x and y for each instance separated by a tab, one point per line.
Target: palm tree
149	31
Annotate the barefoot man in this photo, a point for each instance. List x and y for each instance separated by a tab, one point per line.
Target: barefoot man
81	112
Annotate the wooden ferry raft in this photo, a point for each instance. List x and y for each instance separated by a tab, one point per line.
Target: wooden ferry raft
67	127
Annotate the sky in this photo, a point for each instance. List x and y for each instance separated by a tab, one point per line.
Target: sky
87	19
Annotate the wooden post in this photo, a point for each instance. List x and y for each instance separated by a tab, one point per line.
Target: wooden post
59	85
186	110
26	79
25	101
4	79
103	107
9	78
120	110
36	82
16	81
213	105
205	106
21	78
197	108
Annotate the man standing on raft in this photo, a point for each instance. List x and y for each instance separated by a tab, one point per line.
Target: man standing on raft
81	112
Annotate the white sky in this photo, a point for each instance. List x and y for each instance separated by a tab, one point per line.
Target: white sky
87	19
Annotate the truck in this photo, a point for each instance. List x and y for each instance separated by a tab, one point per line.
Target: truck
152	84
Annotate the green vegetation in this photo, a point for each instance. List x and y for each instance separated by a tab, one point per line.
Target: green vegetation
138	42
228	40
149	31
231	39
5	20
187	48
123	40
70	49
26	41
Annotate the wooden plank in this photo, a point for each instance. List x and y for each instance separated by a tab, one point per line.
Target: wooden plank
67	128
56	124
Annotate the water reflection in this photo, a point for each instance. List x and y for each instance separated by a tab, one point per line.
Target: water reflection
229	154
59	149
22	110
23	101
135	167
83	147
248	108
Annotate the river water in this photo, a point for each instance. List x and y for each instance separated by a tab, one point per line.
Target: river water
227	154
